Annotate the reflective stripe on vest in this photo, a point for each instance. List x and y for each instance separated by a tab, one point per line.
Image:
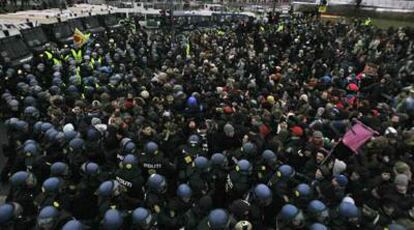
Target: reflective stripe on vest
49	55
77	55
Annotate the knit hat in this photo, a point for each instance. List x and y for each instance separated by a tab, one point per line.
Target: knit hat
228	130
352	87
96	121
297	131
401	167
270	99
68	128
317	134
144	94
401	180
227	109
339	167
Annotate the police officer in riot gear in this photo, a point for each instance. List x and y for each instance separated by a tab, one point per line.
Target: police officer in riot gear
152	161
239	180
50	218
108	196
155	195
129	176
11	217
290	217
142	219
23	186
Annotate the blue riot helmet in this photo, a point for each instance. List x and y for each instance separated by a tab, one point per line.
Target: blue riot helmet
244	167
151	148
56	81
318	210
22	87
303	191
112	220
60	138
262	194
408	104
52	185
13	105
185	192
142	217
348	210
77	145
157	183
218	160
6	96
59	169
88	91
109	188
31	152
193	140
51	135
47	217
74	81
318	226
127	146
37	127
218	219
269	157
396	227
73	225
192	101
288	212
23	179
11	123
10	212
38	91
70	135
22	126
72	90
30	101
285	171
93	135
128	162
201	164
90	169
33	82
45	126
31	141
55	90
326	80
249	149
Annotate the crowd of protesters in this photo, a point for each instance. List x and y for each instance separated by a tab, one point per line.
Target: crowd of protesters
232	127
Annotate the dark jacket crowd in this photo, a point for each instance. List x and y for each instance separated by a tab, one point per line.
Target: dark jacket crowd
238	126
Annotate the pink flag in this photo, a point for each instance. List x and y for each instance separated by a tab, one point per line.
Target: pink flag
358	135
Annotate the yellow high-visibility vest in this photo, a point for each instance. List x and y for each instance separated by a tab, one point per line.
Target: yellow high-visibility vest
56	61
77	55
368	22
49	55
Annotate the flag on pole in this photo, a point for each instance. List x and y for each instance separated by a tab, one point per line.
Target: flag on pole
80	39
357	136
